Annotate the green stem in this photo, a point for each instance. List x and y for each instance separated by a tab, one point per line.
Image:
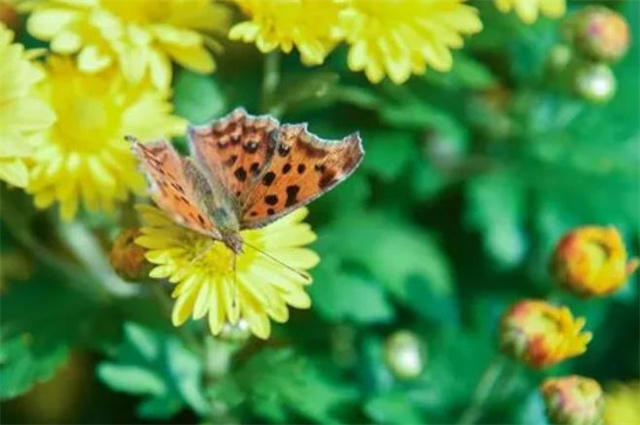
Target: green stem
270	81
482	391
88	251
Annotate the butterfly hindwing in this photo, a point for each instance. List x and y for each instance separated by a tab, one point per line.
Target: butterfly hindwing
302	168
172	189
235	149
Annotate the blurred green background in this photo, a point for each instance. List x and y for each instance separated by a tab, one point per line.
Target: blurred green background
469	179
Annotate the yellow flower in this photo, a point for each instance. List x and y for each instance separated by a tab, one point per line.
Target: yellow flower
592	261
573	400
540	334
309	25
527	10
401	37
622	404
141	36
203	270
23	117
84	154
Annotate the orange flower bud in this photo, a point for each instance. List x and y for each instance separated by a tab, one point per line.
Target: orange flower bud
573	400
592	261
541	334
601	33
127	258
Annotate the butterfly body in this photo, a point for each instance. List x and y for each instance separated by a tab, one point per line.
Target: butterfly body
244	172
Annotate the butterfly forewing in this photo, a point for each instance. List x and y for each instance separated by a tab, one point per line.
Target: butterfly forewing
302	168
235	149
170	187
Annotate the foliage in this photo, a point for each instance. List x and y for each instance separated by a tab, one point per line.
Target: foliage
470	178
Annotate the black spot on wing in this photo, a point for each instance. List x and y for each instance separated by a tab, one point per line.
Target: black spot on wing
292	195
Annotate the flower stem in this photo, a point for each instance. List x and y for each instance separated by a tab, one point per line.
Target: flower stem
270	81
482	391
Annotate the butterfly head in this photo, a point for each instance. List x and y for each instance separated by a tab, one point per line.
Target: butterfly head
233	241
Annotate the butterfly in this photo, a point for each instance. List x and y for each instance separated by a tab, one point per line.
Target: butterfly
244	172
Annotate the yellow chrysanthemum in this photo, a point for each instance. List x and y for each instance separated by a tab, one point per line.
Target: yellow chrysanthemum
308	24
203	270
84	154
401	37
23	117
527	10
541	334
142	36
622	404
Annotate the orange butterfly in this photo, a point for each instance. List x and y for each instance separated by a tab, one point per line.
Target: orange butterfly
244	172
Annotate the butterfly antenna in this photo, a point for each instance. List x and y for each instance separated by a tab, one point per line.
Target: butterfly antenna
235	274
300	273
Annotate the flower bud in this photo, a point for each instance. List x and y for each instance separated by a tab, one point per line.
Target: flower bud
238	332
128	258
541	334
592	261
594	82
403	355
600	33
9	15
573	400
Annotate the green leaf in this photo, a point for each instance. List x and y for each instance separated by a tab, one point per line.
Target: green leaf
281	385
407	110
158	366
131	379
393	408
466	72
198	97
335	291
403	258
24	363
388	152
40	322
496	208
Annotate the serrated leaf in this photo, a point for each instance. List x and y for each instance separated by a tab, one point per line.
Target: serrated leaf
335	290
281	386
466	72
198	97
496	208
131	379
158	366
388	152
403	258
36	341
393	408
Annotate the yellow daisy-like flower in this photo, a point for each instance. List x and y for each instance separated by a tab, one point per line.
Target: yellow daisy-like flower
541	334
84	155
401	37
23	117
141	36
527	10
309	25
622	404
203	269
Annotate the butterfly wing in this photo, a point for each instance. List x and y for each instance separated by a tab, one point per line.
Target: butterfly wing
234	150
302	168
172	188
